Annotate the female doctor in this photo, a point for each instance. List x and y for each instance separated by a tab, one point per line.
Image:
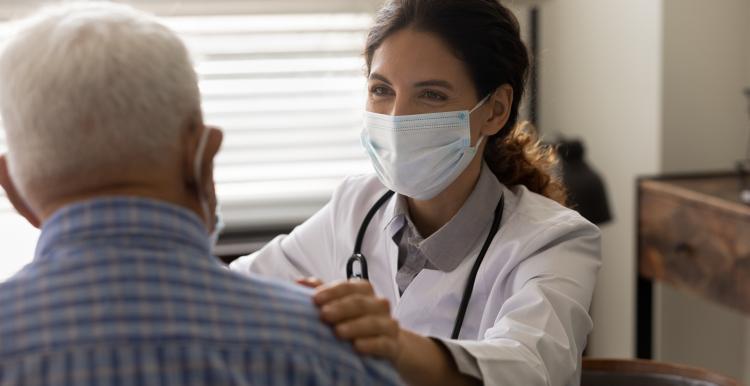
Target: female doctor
477	272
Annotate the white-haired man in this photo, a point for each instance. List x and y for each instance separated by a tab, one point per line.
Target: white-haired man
107	151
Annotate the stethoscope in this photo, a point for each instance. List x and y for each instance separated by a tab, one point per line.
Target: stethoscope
358	257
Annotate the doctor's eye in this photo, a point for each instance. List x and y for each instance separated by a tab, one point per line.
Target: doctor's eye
433	96
380	91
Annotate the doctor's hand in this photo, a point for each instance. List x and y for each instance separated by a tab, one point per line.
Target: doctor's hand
310	282
359	316
365	319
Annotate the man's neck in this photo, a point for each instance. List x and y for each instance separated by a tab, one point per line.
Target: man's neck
182	199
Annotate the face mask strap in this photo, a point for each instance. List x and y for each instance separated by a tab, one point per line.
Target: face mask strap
479	142
480	103
199	155
199	152
485	99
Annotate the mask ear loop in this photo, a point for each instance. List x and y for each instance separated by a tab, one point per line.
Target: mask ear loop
197	163
479	142
485	99
481	138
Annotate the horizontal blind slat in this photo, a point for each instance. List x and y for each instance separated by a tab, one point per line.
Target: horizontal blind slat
200	8
269	67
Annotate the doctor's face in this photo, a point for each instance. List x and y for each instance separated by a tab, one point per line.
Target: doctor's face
414	72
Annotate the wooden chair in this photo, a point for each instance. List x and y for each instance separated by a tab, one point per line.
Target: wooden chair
635	372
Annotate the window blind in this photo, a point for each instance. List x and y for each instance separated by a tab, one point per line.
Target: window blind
288	89
284	80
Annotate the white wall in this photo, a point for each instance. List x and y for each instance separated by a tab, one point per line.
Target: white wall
705	123
522	10
651	86
601	80
706	46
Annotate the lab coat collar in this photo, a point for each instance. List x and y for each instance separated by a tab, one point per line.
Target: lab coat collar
448	246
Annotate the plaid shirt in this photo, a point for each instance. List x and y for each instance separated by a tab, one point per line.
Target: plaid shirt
122	291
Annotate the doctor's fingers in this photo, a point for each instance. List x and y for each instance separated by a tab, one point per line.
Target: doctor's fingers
340	289
310	282
380	346
368	327
355	306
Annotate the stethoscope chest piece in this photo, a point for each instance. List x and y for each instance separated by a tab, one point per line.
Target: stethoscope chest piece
356	267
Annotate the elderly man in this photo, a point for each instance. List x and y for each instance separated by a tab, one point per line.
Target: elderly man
108	152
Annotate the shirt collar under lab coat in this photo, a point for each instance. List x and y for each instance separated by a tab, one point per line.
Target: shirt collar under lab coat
449	245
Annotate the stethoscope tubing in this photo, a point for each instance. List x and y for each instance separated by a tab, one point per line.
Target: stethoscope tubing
358	257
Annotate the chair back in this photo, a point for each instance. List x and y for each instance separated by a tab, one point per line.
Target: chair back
636	372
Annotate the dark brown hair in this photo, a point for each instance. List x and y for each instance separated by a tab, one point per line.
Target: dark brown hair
486	37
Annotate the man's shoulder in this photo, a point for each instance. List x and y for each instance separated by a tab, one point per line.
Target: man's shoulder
284	320
219	311
211	363
278	313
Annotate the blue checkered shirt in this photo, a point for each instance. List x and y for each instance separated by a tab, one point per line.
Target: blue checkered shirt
123	291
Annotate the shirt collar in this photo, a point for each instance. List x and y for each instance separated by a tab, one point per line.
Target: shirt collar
120	220
447	248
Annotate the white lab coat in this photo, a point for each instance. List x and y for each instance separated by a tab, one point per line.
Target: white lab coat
527	320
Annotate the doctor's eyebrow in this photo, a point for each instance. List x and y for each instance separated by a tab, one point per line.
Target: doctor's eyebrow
435	83
376	76
425	83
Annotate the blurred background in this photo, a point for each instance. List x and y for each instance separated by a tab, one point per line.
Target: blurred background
649	87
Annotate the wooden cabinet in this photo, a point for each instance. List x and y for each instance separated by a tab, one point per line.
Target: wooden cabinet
694	234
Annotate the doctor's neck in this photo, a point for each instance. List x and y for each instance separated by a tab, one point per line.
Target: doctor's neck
430	215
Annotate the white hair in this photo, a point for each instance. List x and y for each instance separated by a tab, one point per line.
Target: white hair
92	88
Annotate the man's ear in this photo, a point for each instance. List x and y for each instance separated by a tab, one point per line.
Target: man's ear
501	102
205	185
213	145
14	196
194	131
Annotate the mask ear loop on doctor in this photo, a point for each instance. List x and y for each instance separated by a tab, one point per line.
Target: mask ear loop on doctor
481	137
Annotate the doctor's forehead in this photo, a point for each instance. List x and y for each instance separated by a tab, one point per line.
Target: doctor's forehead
409	57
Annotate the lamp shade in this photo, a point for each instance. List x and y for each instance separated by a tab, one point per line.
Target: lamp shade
586	190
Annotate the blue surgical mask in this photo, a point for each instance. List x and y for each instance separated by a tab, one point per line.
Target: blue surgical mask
218	223
420	155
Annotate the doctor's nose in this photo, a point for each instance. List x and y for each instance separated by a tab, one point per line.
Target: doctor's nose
401	106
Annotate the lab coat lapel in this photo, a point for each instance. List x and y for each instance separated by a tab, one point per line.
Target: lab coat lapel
391	250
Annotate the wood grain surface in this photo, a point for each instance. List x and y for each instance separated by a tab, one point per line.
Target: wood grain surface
694	233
